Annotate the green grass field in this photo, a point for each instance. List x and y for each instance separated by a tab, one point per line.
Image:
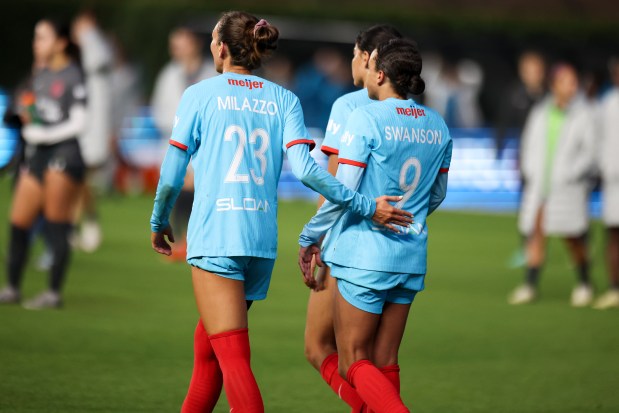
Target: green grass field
123	342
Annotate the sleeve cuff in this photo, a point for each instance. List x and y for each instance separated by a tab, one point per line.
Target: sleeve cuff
327	150
178	145
309	142
443	170
353	163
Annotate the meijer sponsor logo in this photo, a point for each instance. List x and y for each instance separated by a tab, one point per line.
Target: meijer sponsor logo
414	112
250	84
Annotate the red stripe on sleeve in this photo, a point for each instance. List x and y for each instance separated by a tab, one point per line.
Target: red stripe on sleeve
351	162
327	150
309	142
443	170
178	145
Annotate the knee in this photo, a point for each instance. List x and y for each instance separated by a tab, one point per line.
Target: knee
317	350
348	356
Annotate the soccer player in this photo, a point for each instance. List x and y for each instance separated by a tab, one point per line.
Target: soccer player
393	146
55	168
236	128
320	348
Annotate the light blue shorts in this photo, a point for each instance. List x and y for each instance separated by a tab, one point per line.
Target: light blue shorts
370	290
255	272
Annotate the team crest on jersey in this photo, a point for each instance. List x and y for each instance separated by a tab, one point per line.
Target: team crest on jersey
56	89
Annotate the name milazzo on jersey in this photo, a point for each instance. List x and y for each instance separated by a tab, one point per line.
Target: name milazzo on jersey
260	106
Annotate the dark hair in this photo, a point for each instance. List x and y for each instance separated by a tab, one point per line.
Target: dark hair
400	60
63	31
247	43
369	39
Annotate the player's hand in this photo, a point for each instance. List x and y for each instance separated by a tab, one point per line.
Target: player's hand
159	243
389	216
306	263
320	274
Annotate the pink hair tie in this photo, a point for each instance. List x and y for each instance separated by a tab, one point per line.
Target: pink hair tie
261	23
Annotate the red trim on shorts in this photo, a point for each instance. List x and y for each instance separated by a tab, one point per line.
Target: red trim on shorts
309	142
351	162
178	145
327	150
443	170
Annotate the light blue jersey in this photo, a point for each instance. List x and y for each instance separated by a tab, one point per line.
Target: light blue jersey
237	128
403	147
341	110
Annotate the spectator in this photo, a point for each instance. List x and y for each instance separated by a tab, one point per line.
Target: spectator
455	93
610	181
521	96
558	157
95	143
319	83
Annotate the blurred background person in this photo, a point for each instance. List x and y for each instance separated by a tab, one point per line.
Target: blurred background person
454	93
97	62
319	83
609	166
54	173
187	67
518	99
557	162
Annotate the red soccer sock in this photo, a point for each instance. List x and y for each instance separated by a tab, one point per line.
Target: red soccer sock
206	379
328	371
392	372
233	354
374	388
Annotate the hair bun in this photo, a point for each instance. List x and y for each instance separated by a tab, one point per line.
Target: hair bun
417	86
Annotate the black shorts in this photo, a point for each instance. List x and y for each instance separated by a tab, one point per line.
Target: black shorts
64	157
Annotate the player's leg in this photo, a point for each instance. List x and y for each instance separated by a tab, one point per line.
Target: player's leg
25	209
223	310
90	230
610	299
582	295
355	331
320	347
61	192
535	254
388	340
206	379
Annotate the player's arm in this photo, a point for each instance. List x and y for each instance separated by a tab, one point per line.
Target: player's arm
48	135
184	142
331	144
332	169
305	168
438	192
171	180
73	126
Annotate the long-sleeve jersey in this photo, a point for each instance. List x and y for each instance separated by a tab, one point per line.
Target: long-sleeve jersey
402	149
236	129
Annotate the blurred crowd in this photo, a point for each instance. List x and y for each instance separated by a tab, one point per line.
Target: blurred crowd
565	120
